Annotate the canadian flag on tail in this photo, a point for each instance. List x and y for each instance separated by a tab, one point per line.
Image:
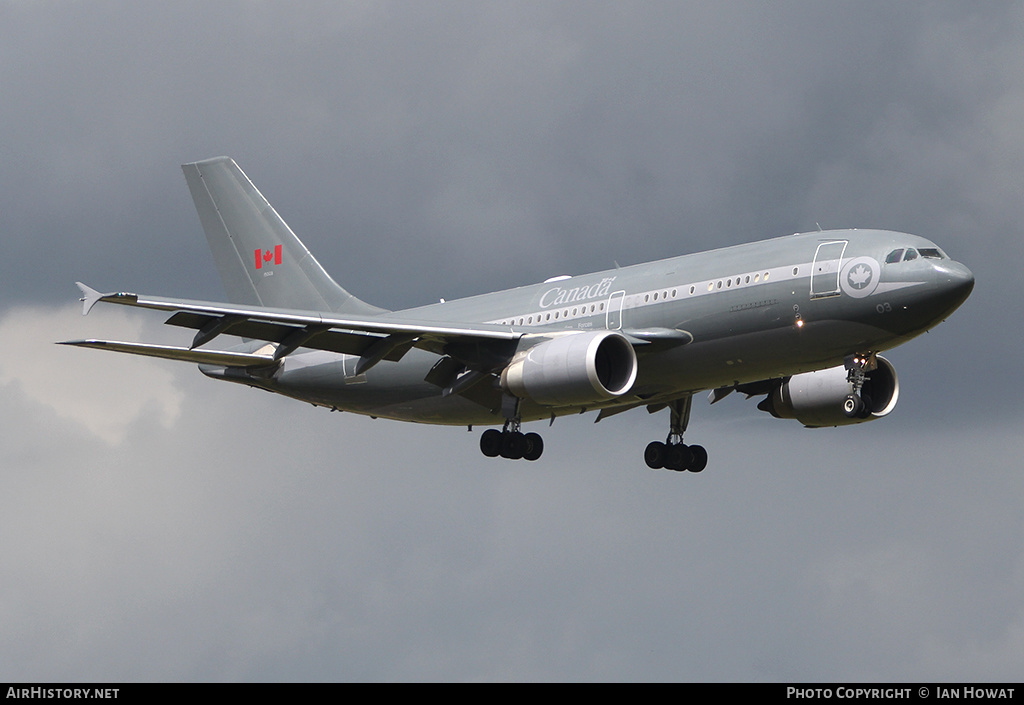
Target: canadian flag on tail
268	256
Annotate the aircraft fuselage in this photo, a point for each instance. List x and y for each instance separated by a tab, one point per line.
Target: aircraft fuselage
751	312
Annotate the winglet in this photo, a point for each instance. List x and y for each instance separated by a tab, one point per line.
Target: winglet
89	297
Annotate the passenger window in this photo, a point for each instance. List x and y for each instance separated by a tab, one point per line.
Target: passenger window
911	254
894	256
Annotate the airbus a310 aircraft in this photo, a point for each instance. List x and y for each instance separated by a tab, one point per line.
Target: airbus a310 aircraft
799	320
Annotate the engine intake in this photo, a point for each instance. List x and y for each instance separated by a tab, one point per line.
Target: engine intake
577	368
815	399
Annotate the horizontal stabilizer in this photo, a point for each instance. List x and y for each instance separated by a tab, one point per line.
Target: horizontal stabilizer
203	357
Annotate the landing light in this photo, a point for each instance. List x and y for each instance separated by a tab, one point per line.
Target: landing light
800	324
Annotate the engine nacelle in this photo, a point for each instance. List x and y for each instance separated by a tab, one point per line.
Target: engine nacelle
577	368
815	399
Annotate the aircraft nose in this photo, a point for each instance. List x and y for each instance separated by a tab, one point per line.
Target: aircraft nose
955	281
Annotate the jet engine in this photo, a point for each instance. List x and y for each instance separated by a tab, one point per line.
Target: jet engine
816	399
577	368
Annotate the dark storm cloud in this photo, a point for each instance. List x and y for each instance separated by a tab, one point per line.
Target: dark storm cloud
545	135
160	526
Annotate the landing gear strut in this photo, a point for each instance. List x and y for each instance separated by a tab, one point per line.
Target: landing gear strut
673	454
510	442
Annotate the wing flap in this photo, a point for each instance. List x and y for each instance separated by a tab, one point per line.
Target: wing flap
339	341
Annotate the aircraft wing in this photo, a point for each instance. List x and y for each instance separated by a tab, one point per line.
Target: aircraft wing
372	338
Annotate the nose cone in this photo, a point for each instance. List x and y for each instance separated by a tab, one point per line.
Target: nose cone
954	283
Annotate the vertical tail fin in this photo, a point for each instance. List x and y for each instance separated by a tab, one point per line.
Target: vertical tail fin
259	258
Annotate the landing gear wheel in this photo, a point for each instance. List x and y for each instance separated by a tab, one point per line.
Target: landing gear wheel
490	443
534	446
698	459
654	455
678	457
866	404
853	406
513	444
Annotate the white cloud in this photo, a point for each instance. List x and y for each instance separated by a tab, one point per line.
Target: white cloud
79	384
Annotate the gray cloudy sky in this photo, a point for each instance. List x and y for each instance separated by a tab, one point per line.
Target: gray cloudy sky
155	525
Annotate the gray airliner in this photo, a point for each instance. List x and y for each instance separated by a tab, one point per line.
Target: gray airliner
797	320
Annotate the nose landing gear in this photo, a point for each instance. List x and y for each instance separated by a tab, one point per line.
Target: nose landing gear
857	404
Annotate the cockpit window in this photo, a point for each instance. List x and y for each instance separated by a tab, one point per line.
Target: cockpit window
909	253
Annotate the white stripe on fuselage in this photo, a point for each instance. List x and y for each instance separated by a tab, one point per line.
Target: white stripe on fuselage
652	297
593	306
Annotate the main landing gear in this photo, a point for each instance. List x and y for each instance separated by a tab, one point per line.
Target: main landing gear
510	442
673	454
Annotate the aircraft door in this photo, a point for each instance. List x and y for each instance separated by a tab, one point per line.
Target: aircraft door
828	259
613	316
